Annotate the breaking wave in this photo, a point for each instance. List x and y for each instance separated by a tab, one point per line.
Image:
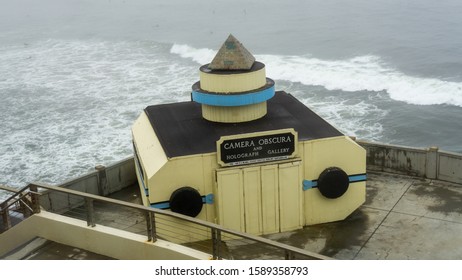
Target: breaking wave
68	105
362	73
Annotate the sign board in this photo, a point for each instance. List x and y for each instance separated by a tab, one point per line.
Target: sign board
257	147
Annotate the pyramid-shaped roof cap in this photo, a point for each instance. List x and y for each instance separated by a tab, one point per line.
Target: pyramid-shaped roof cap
232	56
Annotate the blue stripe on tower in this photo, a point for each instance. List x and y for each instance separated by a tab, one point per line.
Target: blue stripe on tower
232	100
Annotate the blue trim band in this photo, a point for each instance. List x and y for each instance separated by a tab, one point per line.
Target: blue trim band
310	184
232	100
206	199
161	205
357	178
307	184
146	190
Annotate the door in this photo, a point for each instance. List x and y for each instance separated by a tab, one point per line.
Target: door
230	199
270	198
260	199
290	196
252	200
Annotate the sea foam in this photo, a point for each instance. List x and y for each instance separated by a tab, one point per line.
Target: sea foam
362	73
68	105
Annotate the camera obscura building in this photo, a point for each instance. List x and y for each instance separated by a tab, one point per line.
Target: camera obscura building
245	156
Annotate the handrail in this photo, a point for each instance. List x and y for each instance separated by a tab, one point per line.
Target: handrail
8	189
18	196
5	205
216	229
16	193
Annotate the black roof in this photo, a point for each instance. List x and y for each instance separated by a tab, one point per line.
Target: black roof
182	131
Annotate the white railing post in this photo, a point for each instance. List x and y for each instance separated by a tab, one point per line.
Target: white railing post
431	163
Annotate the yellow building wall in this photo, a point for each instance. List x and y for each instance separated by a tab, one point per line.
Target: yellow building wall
195	171
150	154
163	176
319	209
340	152
257	198
230	83
234	114
335	151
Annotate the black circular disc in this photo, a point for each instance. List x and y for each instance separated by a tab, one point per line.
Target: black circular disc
186	201
333	182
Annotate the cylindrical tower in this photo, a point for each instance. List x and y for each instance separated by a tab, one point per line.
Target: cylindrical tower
233	88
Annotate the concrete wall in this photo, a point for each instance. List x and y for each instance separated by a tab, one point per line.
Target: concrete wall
450	167
103	240
102	181
105	180
429	163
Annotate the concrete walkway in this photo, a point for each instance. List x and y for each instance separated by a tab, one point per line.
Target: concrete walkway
403	218
42	249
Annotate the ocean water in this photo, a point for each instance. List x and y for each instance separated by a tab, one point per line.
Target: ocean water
75	74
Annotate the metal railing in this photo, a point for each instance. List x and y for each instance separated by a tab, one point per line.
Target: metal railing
20	205
210	238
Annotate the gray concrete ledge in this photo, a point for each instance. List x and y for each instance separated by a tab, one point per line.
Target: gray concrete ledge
430	163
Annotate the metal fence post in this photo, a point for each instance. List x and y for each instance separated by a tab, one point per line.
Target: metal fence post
25	207
90	212
216	243
5	216
289	255
35	198
151	226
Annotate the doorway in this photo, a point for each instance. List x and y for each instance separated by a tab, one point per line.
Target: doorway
260	199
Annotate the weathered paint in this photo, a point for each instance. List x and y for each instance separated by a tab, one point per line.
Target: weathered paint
261	198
